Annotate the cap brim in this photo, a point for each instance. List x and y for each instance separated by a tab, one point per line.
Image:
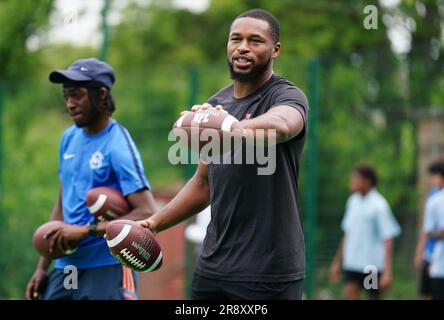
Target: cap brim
62	76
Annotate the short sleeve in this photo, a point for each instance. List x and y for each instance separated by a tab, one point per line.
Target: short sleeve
345	223
127	164
293	97
62	148
387	225
428	224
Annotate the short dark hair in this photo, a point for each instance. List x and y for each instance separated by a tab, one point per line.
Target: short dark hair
367	172
437	167
266	16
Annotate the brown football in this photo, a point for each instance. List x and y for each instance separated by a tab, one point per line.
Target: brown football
134	246
106	203
42	245
196	129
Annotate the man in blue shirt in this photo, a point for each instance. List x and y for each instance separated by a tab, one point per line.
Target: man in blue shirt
95	151
423	256
367	245
433	227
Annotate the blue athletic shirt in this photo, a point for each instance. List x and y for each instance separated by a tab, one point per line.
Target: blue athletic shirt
106	159
430	242
434	221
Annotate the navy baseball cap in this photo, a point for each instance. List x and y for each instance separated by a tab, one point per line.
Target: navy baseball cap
85	70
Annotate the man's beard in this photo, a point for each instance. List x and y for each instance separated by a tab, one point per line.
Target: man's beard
93	116
255	72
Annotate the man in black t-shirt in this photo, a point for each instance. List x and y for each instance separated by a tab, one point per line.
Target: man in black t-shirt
254	247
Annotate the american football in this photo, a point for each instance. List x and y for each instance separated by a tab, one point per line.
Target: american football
106	203
133	245
42	245
200	126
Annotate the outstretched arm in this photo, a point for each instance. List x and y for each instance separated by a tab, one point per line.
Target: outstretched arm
279	124
193	198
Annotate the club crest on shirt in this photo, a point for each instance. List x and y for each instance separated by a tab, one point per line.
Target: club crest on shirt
95	162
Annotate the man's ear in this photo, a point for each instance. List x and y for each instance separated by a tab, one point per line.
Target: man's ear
103	92
276	50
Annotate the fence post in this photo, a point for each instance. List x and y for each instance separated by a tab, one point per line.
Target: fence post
105	30
311	173
2	134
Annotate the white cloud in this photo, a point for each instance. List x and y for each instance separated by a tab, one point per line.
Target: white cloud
196	6
76	22
390	3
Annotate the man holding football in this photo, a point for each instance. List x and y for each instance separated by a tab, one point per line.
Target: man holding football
254	247
95	151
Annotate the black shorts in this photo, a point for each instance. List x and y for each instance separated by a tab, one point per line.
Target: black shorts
437	288
359	277
112	282
425	283
204	288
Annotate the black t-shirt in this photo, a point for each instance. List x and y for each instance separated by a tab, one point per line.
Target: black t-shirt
255	233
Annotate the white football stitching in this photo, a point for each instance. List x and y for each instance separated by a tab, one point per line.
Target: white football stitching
131	258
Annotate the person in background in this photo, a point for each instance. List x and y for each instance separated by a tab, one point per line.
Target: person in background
434	228
367	244
96	151
423	256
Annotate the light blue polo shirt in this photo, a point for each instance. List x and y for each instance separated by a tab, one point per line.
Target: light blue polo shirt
367	223
106	159
434	221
